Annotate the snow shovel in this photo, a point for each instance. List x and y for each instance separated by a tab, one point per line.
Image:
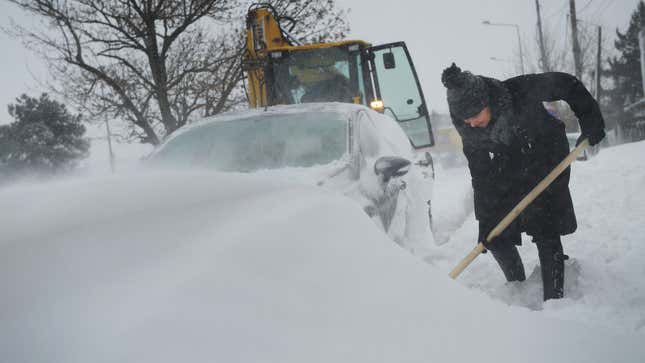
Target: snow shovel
510	217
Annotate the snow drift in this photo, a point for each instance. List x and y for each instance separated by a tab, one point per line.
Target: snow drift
207	267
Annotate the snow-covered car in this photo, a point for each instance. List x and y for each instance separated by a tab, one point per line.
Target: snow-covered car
348	148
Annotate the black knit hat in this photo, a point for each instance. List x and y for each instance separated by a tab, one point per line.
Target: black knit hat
467	93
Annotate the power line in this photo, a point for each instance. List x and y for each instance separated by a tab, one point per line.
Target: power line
610	4
585	6
602	7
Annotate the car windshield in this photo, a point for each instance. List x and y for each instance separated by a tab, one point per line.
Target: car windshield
260	142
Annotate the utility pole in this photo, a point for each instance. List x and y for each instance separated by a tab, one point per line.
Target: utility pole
519	41
574	37
109	140
598	66
641	45
545	62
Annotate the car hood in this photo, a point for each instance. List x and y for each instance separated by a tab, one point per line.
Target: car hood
208	267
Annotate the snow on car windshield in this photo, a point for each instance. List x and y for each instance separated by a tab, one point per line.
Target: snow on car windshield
270	141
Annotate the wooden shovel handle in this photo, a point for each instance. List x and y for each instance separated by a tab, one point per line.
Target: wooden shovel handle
467	260
510	217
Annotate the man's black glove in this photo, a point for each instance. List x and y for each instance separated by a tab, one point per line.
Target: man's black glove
594	136
508	236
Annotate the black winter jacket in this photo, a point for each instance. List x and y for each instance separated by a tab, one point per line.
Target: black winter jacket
519	147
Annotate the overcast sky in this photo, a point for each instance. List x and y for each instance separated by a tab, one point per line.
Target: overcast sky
437	33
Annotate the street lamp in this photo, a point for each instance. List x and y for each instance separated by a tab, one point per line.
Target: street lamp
519	40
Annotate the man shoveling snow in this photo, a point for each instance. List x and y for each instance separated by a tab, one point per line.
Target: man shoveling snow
511	143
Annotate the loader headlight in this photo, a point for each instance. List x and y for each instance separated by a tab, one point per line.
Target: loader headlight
377	105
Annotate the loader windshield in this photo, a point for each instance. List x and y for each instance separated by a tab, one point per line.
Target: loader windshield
317	75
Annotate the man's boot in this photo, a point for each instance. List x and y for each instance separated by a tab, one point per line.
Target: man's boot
510	262
552	266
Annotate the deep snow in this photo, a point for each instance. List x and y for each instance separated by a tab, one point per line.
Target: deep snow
244	268
209	267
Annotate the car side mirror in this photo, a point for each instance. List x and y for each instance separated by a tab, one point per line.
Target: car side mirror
388	61
388	167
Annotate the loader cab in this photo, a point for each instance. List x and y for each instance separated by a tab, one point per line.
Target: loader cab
318	73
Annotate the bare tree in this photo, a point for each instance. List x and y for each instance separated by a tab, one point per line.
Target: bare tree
558	51
155	63
317	20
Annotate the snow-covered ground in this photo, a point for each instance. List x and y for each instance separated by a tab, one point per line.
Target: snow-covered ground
202	266
605	278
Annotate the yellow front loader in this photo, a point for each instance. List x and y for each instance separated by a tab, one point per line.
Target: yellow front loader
280	70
